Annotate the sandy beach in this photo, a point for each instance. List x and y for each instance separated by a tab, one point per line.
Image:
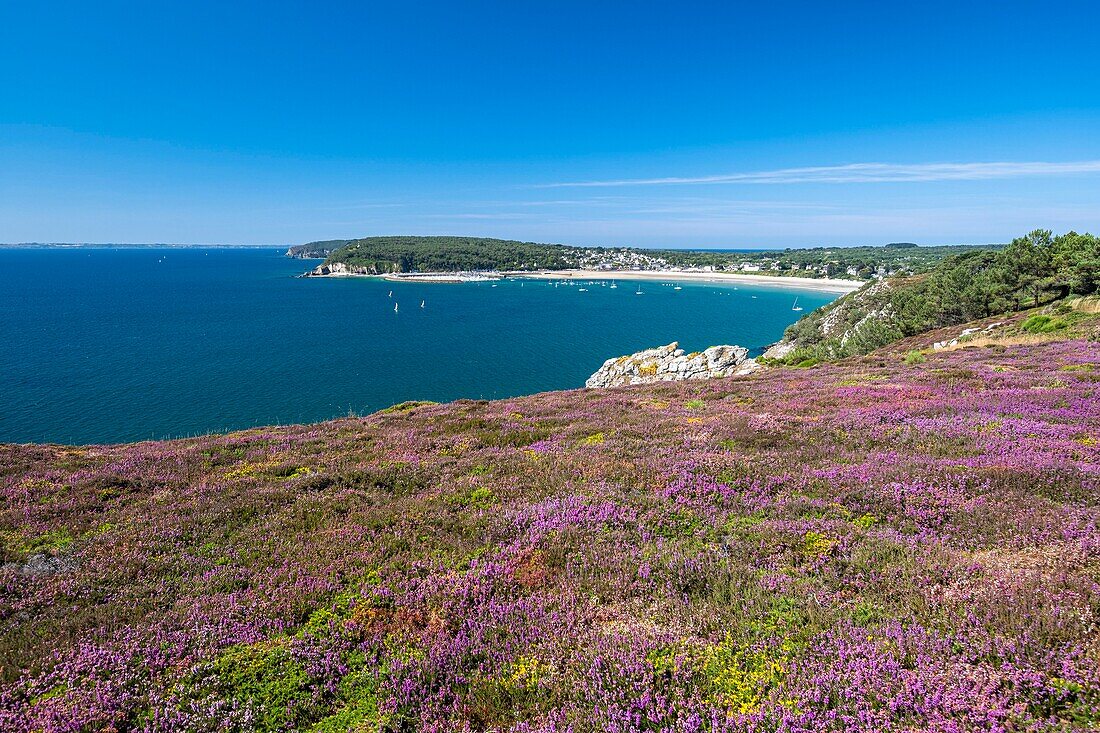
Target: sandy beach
832	285
440	277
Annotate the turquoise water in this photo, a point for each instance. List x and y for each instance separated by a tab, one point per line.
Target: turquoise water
108	345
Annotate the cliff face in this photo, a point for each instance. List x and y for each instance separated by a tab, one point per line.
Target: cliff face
855	323
670	364
329	269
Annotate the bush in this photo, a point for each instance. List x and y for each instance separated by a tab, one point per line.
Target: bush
1042	324
914	357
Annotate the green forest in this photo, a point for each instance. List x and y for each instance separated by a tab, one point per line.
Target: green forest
450	254
903	257
1033	270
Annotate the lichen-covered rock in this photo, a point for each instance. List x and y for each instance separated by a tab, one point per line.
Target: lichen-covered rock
670	363
779	350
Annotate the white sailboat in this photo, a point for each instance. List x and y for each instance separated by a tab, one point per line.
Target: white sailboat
796	306
422	304
395	307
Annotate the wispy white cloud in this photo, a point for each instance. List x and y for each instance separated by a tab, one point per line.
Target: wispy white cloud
862	173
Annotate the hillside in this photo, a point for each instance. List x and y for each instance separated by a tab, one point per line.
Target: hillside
886	543
407	254
1036	269
376	255
316	250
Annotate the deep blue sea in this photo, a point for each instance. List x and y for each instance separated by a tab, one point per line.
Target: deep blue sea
111	345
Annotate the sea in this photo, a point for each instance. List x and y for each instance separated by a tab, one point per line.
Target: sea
106	345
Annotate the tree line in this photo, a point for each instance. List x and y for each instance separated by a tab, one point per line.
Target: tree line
1033	270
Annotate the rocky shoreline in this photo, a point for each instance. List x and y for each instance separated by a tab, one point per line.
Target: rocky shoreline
670	364
341	269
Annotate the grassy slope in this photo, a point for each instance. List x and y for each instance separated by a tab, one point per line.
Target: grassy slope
867	545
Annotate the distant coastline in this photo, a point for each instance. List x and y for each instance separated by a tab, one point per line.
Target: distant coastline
830	285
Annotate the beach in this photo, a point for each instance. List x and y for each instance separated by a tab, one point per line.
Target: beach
828	285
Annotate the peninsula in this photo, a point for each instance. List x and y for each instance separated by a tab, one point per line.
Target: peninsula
457	259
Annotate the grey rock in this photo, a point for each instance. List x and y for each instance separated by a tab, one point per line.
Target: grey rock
779	350
41	565
670	363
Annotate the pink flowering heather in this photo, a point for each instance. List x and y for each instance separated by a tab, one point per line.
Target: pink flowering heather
862	546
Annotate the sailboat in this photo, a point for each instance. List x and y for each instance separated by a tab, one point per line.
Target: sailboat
613	285
639	292
796	306
391	294
422	304
395	307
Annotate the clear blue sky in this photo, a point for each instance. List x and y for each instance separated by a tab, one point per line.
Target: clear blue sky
689	124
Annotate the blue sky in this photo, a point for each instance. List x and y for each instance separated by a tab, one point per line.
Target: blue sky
720	124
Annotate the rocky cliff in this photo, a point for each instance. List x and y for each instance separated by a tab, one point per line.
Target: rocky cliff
855	323
670	364
329	269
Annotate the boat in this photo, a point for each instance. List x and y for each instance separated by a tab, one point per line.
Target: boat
395	307
391	294
796	306
639	292
613	285
677	288
422	304
582	290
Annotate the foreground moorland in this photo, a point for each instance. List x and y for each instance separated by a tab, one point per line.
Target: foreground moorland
907	540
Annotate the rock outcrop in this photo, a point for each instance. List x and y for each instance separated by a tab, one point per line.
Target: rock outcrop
670	364
967	333
779	350
333	269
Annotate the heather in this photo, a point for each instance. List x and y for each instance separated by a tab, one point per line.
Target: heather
884	543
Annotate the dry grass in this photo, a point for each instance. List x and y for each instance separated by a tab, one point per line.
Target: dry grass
993	339
1090	304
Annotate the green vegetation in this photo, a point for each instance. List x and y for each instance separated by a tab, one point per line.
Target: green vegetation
1033	270
1042	324
379	255
449	254
845	262
313	250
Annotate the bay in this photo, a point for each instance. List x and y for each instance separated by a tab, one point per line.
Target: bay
112	345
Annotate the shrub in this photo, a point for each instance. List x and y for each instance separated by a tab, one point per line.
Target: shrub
1042	324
